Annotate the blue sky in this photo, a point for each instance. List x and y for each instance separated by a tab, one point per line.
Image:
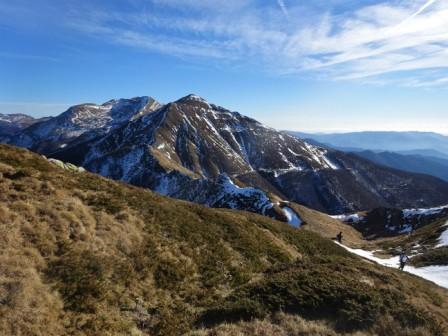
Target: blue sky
321	65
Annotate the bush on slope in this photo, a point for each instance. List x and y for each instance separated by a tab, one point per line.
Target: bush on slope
83	255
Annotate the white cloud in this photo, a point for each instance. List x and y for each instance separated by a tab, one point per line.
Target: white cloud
281	4
420	10
385	38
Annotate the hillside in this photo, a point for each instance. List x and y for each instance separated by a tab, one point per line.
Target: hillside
428	245
83	255
196	151
422	234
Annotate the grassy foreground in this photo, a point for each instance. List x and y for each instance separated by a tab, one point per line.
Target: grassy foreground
83	255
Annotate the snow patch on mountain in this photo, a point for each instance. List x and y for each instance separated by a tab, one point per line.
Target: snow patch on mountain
423	212
229	188
292	217
280	172
221	192
443	239
436	274
350	218
319	156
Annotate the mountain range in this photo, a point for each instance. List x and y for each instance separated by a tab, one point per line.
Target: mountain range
81	123
423	143
421	159
197	151
416	163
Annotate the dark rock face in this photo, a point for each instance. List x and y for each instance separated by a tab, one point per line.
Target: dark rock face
387	222
193	150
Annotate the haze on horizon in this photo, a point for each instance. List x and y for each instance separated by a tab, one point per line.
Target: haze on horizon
321	66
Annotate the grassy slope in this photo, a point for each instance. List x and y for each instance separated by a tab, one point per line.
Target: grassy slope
426	236
327	226
421	244
83	255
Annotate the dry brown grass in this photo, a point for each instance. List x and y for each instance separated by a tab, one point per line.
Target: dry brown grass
171	164
283	324
28	306
280	324
328	227
82	255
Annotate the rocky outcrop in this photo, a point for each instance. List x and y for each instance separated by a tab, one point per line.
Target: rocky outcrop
386	222
67	166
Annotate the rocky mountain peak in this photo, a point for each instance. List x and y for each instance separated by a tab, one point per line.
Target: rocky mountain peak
183	149
11	124
136	103
90	116
194	101
192	98
82	122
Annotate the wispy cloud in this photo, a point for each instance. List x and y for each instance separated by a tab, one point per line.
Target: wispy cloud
386	38
281	4
420	10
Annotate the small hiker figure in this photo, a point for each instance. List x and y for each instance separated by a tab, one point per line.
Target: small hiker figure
403	260
414	227
339	237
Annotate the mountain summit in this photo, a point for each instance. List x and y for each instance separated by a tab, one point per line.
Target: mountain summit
11	124
82	122
194	150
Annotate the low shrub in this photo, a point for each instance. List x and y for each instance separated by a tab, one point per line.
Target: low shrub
438	256
81	277
168	274
320	289
18	174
